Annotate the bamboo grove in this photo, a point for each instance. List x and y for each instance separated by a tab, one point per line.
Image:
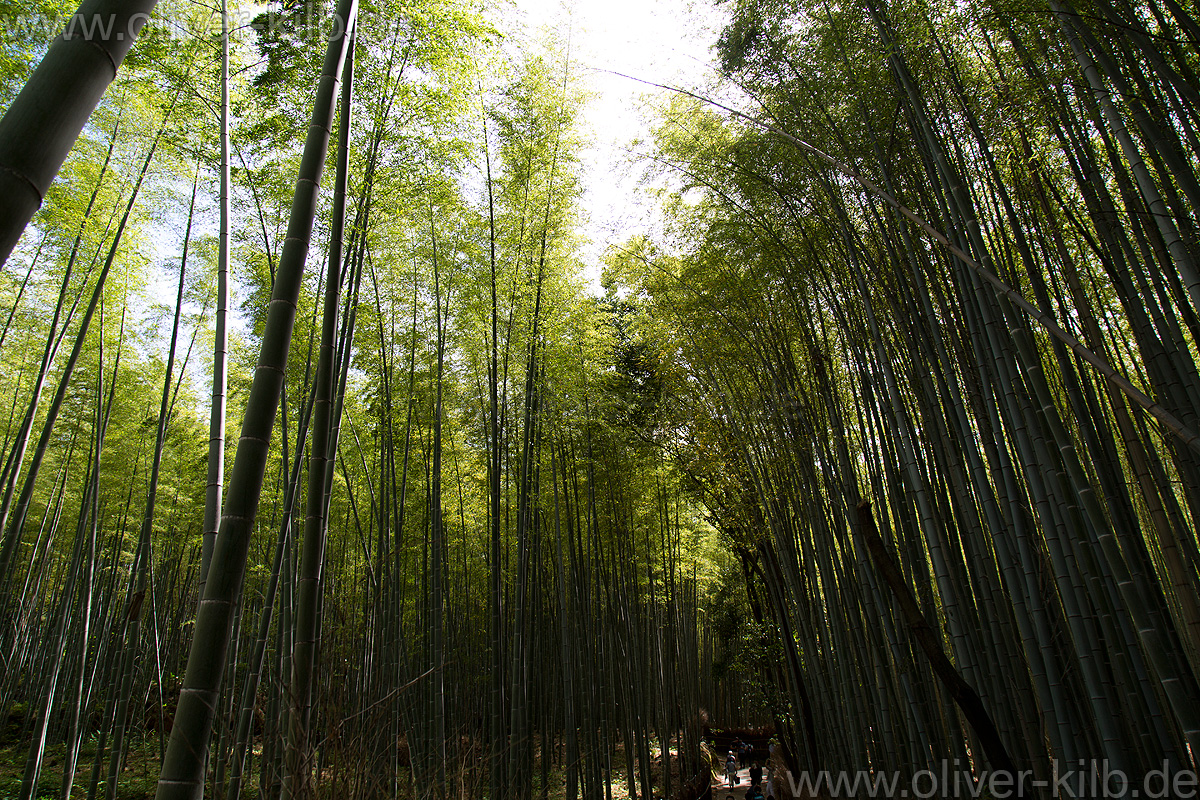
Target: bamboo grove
442	566
325	473
930	316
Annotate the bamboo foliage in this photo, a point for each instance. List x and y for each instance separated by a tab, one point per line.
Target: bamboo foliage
888	438
877	363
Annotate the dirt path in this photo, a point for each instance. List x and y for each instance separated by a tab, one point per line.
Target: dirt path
722	790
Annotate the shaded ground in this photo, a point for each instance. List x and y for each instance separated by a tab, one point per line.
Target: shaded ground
138	779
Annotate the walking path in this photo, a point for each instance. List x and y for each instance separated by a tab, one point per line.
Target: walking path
722	790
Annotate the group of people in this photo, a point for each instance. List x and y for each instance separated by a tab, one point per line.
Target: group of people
745	752
741	755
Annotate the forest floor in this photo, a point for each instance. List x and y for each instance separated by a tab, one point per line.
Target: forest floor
140	775
138	779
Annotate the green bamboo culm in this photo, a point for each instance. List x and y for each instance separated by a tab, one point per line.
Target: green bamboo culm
45	119
321	456
182	776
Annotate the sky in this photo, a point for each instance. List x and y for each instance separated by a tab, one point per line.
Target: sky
665	41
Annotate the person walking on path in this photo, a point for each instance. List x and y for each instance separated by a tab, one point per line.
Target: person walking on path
731	770
755	774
